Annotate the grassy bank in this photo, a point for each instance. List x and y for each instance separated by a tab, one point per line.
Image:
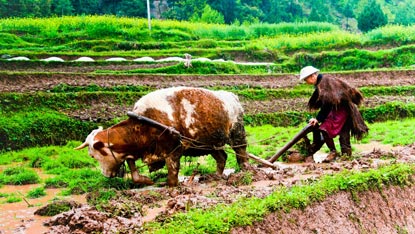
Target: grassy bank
221	218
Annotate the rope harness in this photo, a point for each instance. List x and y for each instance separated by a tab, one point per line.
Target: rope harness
122	170
192	143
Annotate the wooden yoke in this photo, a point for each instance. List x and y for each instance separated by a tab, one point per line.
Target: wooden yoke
153	123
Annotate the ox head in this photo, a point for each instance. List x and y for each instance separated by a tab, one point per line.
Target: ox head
100	148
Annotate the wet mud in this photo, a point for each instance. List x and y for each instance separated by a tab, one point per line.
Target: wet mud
339	213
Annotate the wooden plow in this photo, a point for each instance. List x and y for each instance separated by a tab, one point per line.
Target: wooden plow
268	163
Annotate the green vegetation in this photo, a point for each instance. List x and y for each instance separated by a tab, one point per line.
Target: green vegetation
40	127
77	173
18	176
36	192
56	207
36	119
36	136
221	218
288	45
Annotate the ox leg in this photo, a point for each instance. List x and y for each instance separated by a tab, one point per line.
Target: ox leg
242	157
220	156
173	166
238	144
137	178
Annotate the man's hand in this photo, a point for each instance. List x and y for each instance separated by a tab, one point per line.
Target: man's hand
313	121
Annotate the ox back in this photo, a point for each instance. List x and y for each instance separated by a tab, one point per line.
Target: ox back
210	118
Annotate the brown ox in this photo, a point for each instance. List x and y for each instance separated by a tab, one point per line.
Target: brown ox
210	119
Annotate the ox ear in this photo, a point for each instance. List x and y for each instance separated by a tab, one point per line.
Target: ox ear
98	145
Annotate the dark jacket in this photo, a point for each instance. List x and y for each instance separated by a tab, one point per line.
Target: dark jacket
331	92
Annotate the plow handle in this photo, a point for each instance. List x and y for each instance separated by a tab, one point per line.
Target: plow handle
308	128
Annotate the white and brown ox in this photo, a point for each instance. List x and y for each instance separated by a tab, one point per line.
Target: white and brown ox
206	121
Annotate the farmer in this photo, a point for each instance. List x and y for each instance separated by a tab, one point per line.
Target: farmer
338	114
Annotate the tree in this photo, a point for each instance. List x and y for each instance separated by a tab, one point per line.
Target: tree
87	7
136	8
405	13
44	11
226	7
320	12
210	15
277	11
348	13
248	14
371	17
184	9
62	7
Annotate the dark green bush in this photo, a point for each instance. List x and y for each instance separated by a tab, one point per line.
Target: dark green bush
41	127
389	111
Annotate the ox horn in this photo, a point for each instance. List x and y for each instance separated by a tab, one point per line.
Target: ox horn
85	144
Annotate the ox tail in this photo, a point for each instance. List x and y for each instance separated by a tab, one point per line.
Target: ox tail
85	144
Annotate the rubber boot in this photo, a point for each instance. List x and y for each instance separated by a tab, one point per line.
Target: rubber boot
333	153
318	142
347	151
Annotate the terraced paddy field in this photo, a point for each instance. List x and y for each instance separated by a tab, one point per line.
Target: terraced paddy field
48	108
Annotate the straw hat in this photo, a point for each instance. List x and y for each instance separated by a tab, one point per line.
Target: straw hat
306	71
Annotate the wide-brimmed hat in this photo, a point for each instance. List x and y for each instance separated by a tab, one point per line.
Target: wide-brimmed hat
306	71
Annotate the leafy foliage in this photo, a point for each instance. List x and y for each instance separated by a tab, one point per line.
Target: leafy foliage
371	17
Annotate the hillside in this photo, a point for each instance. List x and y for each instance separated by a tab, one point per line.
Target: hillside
47	108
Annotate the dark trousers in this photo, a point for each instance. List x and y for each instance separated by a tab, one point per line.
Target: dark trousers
344	138
321	137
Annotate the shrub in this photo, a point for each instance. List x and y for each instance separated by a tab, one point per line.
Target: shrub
19	176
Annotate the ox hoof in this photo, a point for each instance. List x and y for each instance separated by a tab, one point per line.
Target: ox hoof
139	179
247	167
309	159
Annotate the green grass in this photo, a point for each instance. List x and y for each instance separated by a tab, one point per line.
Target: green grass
266	140
18	176
36	192
288	45
221	218
393	132
77	173
49	158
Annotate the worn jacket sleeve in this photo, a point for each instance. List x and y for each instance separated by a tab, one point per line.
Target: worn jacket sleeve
323	113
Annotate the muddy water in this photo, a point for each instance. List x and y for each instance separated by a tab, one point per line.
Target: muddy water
19	217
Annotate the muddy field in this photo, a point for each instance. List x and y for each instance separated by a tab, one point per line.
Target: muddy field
28	82
386	211
105	110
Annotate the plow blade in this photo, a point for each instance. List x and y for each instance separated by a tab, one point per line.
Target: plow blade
308	128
